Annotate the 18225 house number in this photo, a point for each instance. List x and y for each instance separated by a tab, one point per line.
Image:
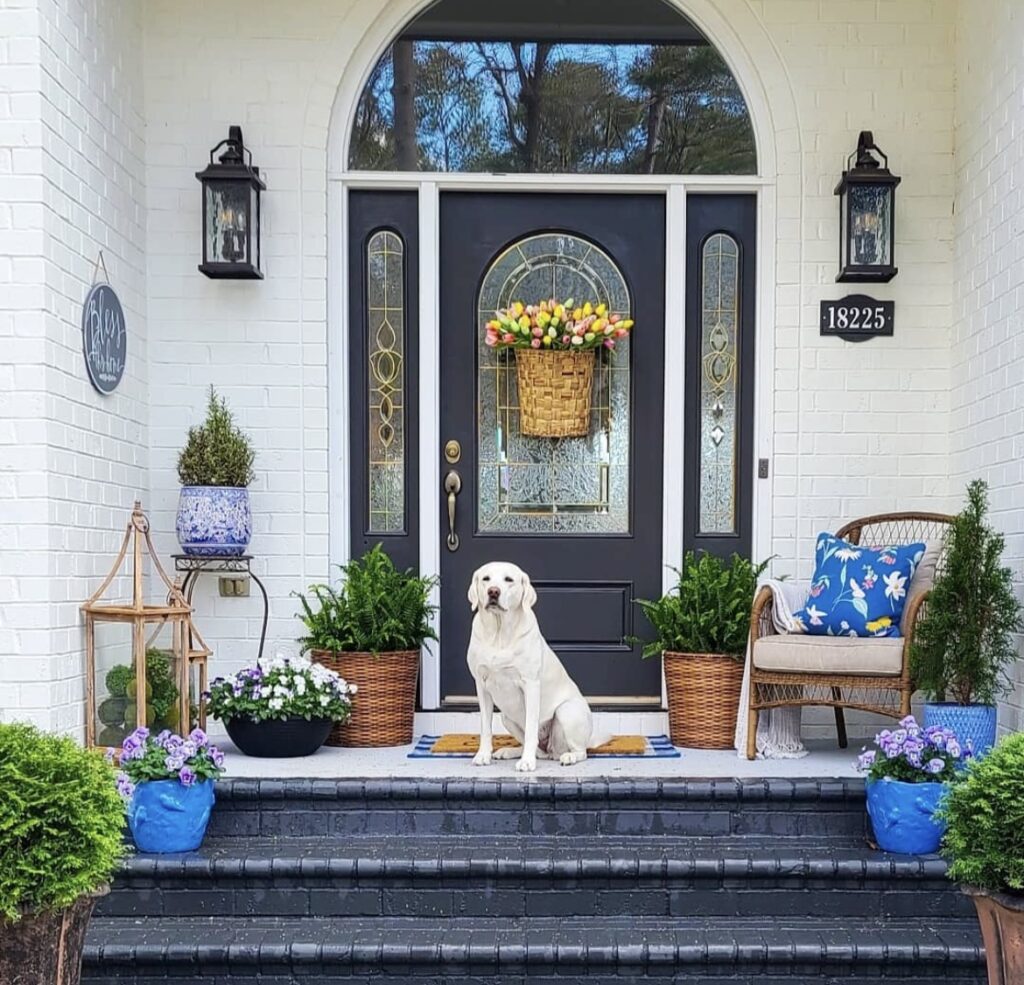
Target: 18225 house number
857	317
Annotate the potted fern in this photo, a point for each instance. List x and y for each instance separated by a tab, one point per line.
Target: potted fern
61	823
966	639
370	630
215	469
984	818
702	626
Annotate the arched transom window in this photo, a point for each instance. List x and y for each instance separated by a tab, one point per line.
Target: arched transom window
552	86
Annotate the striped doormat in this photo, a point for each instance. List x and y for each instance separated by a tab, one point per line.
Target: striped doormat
463	745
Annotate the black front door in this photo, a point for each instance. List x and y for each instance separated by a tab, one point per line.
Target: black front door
582	516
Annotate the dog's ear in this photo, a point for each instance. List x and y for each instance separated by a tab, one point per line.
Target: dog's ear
474	599
529	592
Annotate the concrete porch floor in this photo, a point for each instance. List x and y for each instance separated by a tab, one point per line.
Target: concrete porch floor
824	761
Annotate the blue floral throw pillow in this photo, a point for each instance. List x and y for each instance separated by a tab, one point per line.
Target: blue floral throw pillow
858	591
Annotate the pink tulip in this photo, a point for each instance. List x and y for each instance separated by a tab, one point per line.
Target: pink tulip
508	337
565	340
614	319
535	343
619	333
538	331
491	340
609	343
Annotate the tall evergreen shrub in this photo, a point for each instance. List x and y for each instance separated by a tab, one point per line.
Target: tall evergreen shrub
965	641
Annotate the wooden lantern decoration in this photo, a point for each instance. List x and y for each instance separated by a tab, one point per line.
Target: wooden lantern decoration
187	651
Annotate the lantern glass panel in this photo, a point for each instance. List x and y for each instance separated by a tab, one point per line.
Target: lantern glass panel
228	209
115	708
870	229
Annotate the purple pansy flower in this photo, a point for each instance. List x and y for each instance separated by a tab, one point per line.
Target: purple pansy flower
187	776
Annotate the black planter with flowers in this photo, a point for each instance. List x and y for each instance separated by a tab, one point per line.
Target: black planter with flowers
277	738
280	708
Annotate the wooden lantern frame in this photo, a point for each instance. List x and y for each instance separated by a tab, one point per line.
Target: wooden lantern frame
188	648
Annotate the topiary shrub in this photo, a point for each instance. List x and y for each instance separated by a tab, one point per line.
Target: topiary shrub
216	453
61	820
709	609
984	813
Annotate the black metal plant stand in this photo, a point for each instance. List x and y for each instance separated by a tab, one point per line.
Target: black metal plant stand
193	566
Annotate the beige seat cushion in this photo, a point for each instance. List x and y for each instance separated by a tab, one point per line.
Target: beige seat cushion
797	653
924	578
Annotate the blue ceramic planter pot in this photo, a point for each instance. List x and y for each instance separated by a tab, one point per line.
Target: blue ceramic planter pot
165	816
974	722
901	816
214	521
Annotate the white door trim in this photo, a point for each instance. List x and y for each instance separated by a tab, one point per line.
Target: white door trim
430	187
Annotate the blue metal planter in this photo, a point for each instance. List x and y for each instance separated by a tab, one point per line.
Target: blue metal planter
165	816
901	816
214	521
976	723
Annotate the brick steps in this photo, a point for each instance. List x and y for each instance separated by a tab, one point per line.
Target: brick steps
534	882
268	950
518	876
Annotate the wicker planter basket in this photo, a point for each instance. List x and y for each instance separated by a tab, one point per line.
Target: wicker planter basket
554	392
703	695
385	702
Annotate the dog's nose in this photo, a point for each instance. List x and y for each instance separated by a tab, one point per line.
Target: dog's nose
493	592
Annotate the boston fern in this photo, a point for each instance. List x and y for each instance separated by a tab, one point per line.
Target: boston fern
217	452
709	609
376	609
965	641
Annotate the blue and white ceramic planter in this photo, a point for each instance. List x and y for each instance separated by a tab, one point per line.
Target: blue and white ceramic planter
974	723
166	816
214	521
902	816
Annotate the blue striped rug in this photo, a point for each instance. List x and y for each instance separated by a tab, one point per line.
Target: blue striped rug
655	747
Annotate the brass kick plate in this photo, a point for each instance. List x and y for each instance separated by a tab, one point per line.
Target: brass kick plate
452	452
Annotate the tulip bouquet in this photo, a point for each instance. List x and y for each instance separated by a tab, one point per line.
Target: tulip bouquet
556	325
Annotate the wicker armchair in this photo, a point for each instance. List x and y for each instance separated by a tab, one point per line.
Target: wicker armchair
881	681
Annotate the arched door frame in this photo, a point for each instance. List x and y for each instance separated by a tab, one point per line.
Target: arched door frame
770	120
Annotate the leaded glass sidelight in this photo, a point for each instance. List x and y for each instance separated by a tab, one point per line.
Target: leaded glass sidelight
385	325
532	485
718	384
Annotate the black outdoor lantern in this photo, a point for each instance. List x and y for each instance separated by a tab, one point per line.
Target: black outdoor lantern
231	211
867	215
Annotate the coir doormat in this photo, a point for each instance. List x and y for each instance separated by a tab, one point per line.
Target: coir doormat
463	745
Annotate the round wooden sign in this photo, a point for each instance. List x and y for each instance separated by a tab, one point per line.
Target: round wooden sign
104	338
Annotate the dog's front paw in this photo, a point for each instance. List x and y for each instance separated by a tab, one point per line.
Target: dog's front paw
526	764
507	752
572	758
482	758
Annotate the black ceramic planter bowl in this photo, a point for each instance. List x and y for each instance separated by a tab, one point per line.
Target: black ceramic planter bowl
278	738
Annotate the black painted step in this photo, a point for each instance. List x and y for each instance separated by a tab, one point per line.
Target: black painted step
540	806
517	876
278	951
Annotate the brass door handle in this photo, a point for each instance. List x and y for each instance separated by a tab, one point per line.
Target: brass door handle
452	486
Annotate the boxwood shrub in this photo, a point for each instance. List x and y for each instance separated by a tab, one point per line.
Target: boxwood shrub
61	820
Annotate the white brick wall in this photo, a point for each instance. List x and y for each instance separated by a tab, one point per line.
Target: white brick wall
856	428
72	167
987	420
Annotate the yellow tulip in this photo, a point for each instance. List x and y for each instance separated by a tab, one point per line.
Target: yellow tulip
518	308
577	314
559	311
628	323
547	341
601	308
524	321
587	309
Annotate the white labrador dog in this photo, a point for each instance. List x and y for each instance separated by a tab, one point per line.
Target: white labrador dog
514	667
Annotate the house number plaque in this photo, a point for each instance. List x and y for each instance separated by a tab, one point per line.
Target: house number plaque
857	317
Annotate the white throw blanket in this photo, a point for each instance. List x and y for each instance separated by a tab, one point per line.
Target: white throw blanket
778	729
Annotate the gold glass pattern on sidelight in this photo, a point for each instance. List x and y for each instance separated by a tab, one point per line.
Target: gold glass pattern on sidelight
718	384
385	324
532	485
